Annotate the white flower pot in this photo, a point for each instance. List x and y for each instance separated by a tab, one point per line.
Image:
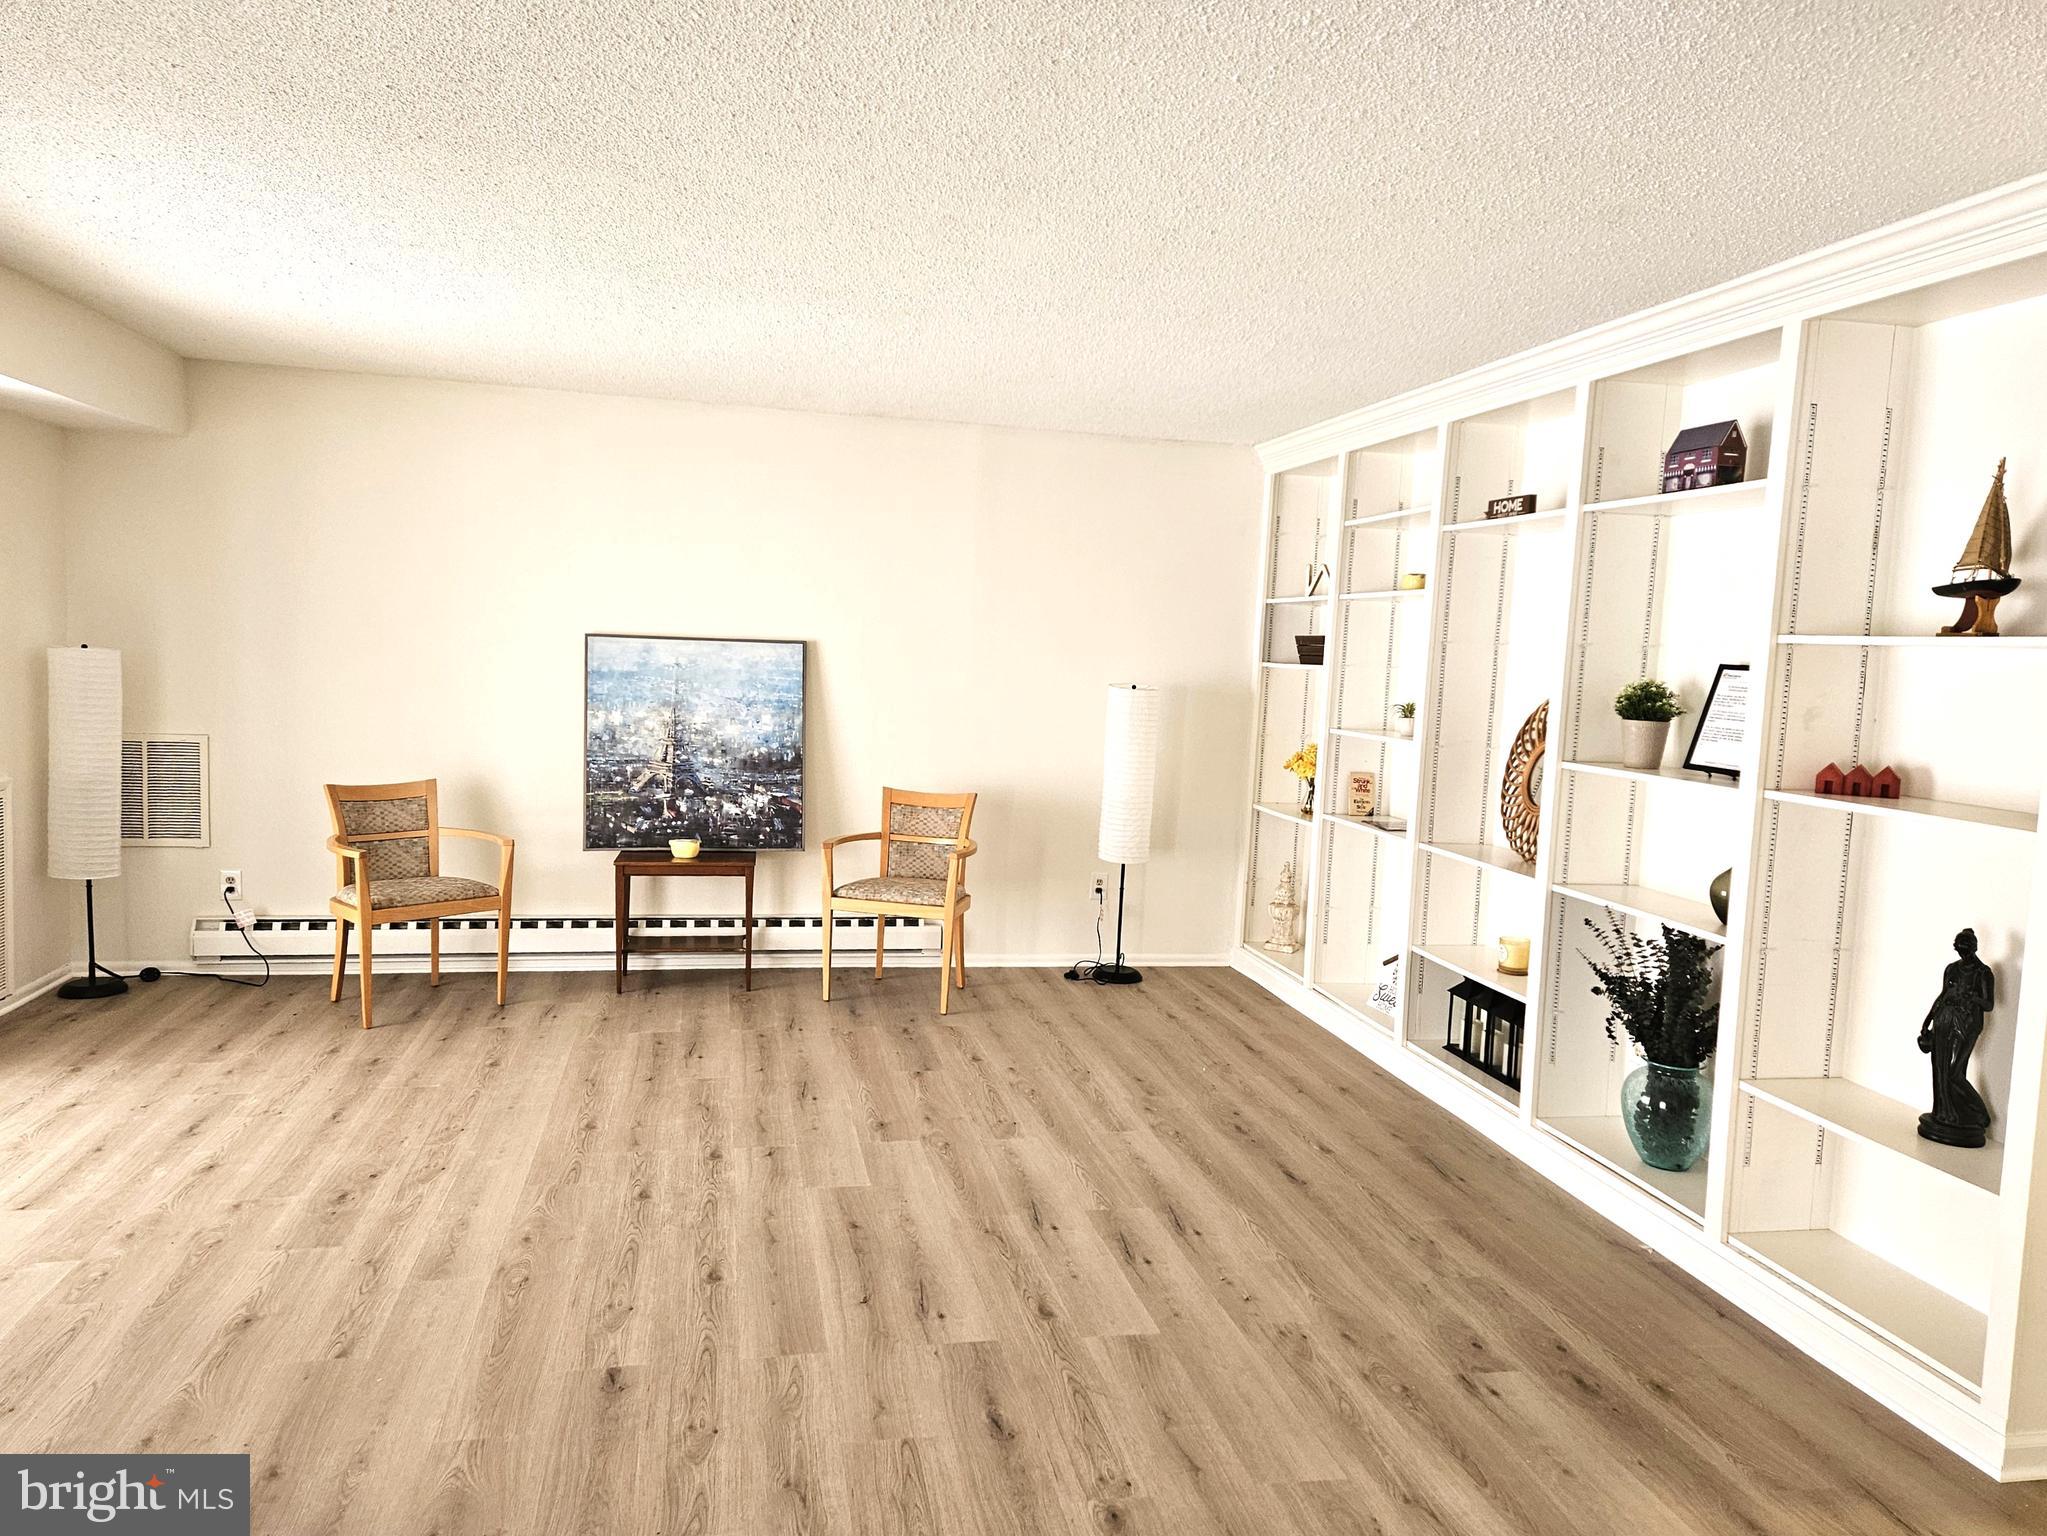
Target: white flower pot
1403	725
1642	742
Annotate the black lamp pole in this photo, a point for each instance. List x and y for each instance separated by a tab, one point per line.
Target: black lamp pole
97	981
1119	974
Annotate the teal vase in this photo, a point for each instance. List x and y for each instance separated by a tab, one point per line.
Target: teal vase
1669	1114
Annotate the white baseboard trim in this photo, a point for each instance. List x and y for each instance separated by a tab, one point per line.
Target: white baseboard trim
47	982
764	960
2025	1457
1934	1406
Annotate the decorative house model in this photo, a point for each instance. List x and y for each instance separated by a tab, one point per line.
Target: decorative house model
1701	456
1488	1036
1858	783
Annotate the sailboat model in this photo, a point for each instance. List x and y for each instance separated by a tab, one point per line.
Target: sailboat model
1983	574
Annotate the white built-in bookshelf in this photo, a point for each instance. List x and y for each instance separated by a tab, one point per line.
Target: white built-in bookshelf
1877	384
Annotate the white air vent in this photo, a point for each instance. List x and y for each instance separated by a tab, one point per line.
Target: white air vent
6	879
163	792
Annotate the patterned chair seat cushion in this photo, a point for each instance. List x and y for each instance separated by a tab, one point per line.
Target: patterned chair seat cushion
419	891
902	889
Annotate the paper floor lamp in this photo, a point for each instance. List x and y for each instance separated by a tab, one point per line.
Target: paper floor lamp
85	789
1130	760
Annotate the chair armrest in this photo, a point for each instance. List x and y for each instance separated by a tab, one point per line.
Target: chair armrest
482	837
964	848
832	842
346	850
504	846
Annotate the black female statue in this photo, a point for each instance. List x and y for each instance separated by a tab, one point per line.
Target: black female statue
1968	989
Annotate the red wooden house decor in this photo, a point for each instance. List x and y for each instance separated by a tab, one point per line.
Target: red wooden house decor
1858	783
1716	454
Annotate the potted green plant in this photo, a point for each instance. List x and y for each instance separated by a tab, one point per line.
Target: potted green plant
1646	710
1659	993
1403	719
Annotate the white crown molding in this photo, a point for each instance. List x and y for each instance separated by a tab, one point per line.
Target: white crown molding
1982	231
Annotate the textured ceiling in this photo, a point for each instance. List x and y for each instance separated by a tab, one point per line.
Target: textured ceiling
1214	219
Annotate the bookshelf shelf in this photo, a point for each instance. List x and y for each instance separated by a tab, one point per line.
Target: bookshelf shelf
1484	856
1693	917
1653	775
1747	493
1369	828
1909	805
1605	1139
1849	1109
1282	812
1475	961
1510	527
1953	646
1355	997
1399	517
1923	1318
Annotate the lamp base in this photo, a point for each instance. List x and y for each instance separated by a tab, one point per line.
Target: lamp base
1104	974
97	986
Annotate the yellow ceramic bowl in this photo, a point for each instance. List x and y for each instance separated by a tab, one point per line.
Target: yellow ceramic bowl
684	847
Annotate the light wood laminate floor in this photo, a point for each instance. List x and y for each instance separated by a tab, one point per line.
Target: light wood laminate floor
1162	1258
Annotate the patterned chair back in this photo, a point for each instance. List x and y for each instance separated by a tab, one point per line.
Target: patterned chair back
397	826
919	830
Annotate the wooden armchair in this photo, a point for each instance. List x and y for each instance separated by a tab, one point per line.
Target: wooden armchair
924	853
387	856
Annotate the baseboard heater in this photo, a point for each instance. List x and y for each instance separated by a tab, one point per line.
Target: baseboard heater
290	938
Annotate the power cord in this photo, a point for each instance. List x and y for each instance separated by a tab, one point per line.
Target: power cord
1090	970
156	973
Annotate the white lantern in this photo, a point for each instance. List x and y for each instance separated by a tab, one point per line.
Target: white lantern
1130	759
84	792
84	795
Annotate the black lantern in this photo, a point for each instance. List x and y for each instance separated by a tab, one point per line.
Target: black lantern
1488	1036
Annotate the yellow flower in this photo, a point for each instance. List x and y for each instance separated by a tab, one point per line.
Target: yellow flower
1302	764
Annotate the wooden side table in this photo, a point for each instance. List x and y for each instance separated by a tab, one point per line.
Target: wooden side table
655	862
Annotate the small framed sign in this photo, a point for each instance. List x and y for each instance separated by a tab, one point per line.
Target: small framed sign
1363	799
1723	724
1509	506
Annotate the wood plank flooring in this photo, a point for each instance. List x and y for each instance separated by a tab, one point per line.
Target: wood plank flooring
1073	1260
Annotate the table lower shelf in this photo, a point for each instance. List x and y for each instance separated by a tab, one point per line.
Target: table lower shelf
685	944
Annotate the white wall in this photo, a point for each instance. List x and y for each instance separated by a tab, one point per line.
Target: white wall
355	578
48	929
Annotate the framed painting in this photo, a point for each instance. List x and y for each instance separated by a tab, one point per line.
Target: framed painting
692	738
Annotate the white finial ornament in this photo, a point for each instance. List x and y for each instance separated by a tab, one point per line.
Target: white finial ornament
1286	915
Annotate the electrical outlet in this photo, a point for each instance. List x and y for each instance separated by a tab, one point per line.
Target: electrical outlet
230	885
1101	890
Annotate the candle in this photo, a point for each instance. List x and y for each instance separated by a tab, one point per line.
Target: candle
1413	581
1513	955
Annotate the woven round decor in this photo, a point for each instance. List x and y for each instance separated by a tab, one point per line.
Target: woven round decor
1521	785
